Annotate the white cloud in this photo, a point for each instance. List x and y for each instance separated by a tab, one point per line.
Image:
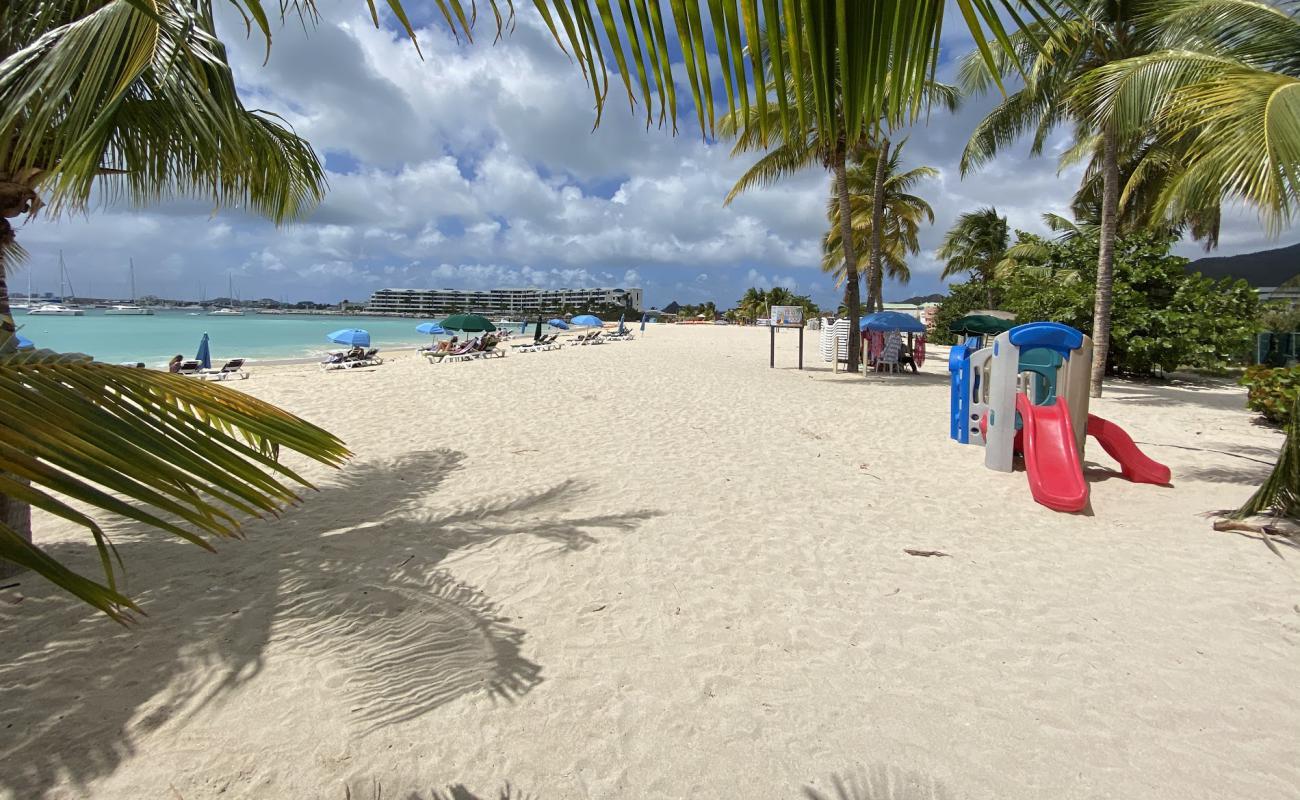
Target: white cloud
478	166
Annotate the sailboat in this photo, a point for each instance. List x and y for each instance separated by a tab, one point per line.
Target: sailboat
228	311
59	309
130	309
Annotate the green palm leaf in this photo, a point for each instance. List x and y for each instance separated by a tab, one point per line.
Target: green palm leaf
181	455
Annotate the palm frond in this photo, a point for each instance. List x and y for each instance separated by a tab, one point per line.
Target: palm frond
181	455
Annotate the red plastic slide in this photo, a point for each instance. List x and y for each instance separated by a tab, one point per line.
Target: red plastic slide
1051	458
1133	463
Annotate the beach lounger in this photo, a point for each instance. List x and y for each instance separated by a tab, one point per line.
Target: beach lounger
464	352
190	367
232	370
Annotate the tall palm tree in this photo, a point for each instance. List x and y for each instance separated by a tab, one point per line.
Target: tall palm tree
1089	36
1217	81
901	212
1107	68
792	150
977	244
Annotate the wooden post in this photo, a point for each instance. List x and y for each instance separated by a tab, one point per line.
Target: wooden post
801	347
771	357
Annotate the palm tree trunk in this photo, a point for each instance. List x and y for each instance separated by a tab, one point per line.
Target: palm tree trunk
1105	259
875	276
14	514
852	296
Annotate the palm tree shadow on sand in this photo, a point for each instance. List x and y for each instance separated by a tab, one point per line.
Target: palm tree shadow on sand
878	782
350	580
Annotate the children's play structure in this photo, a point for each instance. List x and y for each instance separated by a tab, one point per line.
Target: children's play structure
1028	393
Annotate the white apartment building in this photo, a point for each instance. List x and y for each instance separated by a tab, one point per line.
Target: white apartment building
497	302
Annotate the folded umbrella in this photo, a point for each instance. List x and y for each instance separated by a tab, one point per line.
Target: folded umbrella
204	357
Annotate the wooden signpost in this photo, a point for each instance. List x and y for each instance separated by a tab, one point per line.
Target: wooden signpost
784	317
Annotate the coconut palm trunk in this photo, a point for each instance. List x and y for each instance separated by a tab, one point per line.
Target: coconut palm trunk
1105	259
875	277
852	296
14	514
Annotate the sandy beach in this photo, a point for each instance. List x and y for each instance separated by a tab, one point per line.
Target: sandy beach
660	569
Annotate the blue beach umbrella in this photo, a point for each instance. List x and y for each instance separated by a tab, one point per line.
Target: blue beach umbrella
643	316
352	337
523	326
203	356
586	321
430	328
24	343
891	321
622	317
559	323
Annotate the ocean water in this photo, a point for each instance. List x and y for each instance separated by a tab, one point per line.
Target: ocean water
156	339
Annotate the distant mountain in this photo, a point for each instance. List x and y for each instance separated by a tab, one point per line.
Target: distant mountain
918	300
1265	268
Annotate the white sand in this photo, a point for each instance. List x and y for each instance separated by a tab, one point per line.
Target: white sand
659	569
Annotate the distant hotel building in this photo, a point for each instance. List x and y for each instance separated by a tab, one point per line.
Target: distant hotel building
495	302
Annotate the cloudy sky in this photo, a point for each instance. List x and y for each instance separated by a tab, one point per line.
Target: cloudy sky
478	167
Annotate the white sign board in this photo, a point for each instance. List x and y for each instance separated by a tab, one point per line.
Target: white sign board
787	315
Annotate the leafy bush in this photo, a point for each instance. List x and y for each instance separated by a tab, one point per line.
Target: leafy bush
1163	317
1272	392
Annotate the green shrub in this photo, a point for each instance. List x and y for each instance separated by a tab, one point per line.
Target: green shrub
1272	392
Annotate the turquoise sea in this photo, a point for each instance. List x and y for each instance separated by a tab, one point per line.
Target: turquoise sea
156	339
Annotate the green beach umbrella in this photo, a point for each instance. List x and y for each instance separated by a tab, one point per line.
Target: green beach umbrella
468	323
982	324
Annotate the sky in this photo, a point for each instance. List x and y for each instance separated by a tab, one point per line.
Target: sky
478	167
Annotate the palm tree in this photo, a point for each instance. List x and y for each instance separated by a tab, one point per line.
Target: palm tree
977	244
791	150
1109	69
146	104
1216	80
754	303
902	214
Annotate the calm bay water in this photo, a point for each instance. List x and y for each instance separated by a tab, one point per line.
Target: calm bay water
155	339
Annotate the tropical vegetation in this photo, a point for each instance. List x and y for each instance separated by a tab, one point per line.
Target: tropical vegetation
1176	106
1165	317
830	142
977	244
757	303
900	213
